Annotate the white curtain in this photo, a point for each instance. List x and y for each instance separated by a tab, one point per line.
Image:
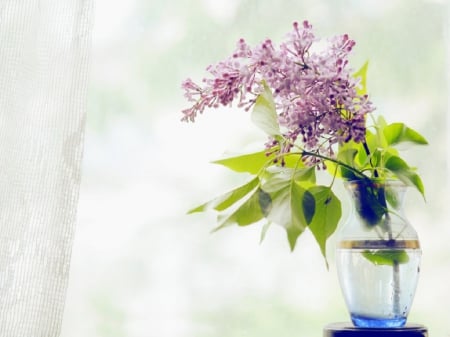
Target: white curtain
43	82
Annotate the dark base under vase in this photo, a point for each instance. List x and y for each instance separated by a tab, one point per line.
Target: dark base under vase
348	330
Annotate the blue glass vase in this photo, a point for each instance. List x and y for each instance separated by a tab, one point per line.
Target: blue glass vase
378	256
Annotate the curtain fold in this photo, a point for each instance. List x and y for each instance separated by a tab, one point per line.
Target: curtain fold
44	49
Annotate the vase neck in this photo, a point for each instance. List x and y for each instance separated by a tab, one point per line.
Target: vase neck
377	214
376	202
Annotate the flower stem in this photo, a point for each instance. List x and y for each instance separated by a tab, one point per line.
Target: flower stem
337	162
396	265
366	148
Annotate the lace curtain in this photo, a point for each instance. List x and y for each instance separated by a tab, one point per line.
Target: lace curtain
43	81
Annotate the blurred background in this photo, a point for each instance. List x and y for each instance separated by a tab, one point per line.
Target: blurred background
141	266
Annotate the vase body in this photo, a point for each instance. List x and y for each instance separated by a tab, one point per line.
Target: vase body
378	256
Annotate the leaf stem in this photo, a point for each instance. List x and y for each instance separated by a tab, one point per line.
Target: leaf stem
366	148
317	155
396	267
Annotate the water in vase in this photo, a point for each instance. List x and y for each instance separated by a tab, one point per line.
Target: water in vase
388	276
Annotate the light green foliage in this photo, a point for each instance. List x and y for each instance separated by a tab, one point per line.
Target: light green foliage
250	163
285	191
288	190
326	215
400	169
264	114
396	133
381	159
253	209
362	74
226	200
386	257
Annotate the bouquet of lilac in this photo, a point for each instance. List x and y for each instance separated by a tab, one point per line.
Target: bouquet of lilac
315	111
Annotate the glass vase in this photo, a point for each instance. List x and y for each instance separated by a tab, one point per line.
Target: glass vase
378	256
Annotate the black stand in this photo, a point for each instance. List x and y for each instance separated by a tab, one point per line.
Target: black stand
348	330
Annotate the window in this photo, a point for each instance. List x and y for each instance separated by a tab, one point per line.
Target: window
141	266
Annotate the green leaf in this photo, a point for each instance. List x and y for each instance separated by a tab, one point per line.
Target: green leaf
369	201
281	207
392	197
308	206
386	257
265	202
293	161
276	183
375	140
326	217
362	73
347	173
282	177
299	216
264	113
264	230
287	206
251	162
398	132
292	234
306	174
247	213
228	199
403	172
346	155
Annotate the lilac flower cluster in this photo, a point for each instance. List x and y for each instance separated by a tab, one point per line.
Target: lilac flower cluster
315	93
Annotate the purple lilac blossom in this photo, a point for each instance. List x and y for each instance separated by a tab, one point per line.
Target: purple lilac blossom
314	91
